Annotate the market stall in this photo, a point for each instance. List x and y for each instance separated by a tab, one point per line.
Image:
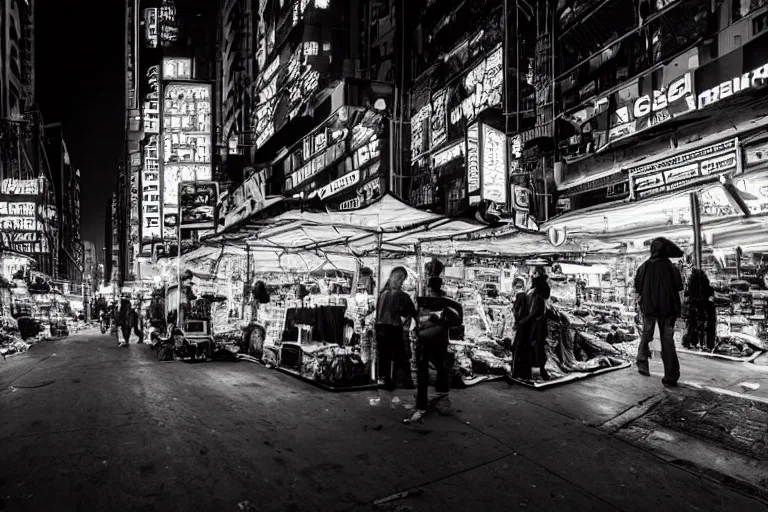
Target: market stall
320	269
733	223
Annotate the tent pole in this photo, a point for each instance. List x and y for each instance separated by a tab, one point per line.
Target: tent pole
379	287
696	221
419	270
247	277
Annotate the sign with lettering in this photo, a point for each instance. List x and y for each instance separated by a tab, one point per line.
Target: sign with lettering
481	88
151	33
494	165
336	186
22	219
751	79
473	159
637	112
316	165
449	154
684	170
350	204
20	187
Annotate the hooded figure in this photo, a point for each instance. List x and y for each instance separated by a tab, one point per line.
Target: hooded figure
531	328
658	284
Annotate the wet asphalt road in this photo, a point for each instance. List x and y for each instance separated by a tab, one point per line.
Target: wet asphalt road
85	425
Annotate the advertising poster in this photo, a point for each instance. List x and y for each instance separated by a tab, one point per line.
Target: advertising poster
197	202
493	171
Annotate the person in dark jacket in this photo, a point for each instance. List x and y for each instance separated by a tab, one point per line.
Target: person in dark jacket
702	317
124	322
436	315
531	328
658	284
392	307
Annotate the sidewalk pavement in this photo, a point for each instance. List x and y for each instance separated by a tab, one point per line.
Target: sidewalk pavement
89	426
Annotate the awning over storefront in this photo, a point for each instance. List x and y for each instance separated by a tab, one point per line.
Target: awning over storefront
353	231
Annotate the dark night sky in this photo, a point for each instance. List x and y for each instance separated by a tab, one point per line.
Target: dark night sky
80	83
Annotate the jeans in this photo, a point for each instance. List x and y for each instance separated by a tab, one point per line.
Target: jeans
435	352
668	352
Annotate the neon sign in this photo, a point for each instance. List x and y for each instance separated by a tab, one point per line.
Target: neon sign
484	87
20	187
754	78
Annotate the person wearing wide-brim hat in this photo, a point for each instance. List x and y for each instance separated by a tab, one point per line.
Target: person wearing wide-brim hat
658	284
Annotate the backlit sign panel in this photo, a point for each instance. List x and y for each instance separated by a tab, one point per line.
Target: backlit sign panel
336	186
187	139
151	111
176	68
150	192
473	160
684	170
22	217
749	80
20	187
636	113
482	88
151	32
494	165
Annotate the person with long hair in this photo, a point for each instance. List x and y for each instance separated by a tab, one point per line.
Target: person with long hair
392	308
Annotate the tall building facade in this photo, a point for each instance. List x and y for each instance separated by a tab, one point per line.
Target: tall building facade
169	63
305	120
28	214
653	101
467	99
66	186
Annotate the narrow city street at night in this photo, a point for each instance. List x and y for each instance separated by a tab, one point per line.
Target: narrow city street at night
383	255
88	425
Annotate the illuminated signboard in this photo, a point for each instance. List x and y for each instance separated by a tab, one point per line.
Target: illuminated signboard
286	85
480	89
494	165
150	192
336	186
20	187
316	165
439	119
636	112
22	217
175	68
169	32
448	155
473	160
367	153
197	202
187	139
684	170
420	131
151	114
749	80
150	27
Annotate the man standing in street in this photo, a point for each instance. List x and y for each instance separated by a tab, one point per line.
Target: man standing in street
658	284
